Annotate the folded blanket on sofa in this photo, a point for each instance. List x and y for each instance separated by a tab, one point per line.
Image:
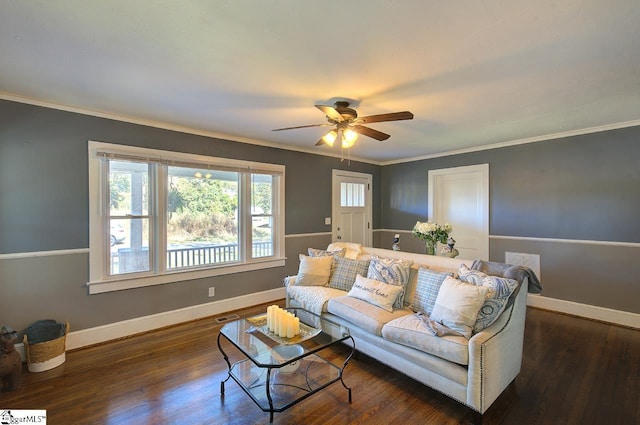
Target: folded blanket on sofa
313	298
435	328
511	272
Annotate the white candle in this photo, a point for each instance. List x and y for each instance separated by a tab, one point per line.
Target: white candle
297	325
269	316
291	326
282	324
274	324
274	318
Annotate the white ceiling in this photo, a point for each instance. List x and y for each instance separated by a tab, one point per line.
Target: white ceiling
474	73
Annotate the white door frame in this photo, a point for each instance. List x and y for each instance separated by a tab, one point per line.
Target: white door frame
483	175
335	199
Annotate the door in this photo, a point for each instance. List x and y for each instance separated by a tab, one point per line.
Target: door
351	210
460	196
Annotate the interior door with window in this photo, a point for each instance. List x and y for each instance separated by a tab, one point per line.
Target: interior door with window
352	207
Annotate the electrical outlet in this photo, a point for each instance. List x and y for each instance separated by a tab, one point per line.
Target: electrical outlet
212	291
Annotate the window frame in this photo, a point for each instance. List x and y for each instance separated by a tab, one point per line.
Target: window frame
99	247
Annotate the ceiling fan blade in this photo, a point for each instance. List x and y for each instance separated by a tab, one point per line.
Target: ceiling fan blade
302	126
331	112
370	132
393	116
320	142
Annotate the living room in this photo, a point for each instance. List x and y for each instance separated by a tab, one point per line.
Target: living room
566	194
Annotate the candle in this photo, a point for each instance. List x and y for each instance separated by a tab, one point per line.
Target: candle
297	325
282	324
269	316
276	319
291	326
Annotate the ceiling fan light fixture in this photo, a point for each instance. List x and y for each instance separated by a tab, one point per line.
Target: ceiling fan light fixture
349	138
330	137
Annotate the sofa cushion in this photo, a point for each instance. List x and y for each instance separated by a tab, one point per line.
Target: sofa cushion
314	271
500	290
374	292
411	331
391	271
345	271
458	304
427	288
366	316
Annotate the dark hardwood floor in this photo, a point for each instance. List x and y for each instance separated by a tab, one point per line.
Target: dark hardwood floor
574	371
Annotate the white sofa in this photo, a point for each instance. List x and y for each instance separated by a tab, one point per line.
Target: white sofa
484	365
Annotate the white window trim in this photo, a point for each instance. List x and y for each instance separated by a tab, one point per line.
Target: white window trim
98	280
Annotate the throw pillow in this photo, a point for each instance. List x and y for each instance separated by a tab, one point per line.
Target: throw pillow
457	305
345	272
427	287
500	289
374	292
391	271
313	252
326	253
314	271
471	276
353	249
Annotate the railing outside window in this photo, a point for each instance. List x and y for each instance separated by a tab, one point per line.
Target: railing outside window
122	259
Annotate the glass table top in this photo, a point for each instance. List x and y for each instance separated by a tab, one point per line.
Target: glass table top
251	336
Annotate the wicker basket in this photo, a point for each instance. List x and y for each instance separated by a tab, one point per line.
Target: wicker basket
46	355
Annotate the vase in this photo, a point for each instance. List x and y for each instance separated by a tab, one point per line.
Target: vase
430	247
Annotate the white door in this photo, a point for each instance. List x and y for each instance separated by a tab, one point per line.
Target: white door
351	208
460	196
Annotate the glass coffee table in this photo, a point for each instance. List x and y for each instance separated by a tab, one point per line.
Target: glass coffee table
279	372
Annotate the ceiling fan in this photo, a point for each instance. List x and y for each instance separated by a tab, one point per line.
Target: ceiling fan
348	125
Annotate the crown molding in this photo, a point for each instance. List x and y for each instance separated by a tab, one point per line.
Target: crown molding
172	127
232	138
535	139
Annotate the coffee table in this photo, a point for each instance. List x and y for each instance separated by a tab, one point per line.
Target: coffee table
278	372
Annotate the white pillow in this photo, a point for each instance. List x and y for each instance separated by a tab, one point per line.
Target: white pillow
314	271
457	305
353	249
500	290
374	292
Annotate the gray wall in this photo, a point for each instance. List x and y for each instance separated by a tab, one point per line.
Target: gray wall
569	192
44	207
583	188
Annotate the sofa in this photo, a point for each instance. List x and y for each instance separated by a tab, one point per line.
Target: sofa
473	369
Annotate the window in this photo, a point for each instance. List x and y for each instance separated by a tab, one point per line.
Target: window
158	217
352	194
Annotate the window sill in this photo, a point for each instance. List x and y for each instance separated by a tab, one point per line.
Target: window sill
124	282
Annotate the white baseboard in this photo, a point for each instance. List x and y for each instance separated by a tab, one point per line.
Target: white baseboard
618	317
125	328
99	334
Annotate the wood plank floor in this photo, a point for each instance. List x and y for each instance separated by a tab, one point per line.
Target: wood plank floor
574	371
